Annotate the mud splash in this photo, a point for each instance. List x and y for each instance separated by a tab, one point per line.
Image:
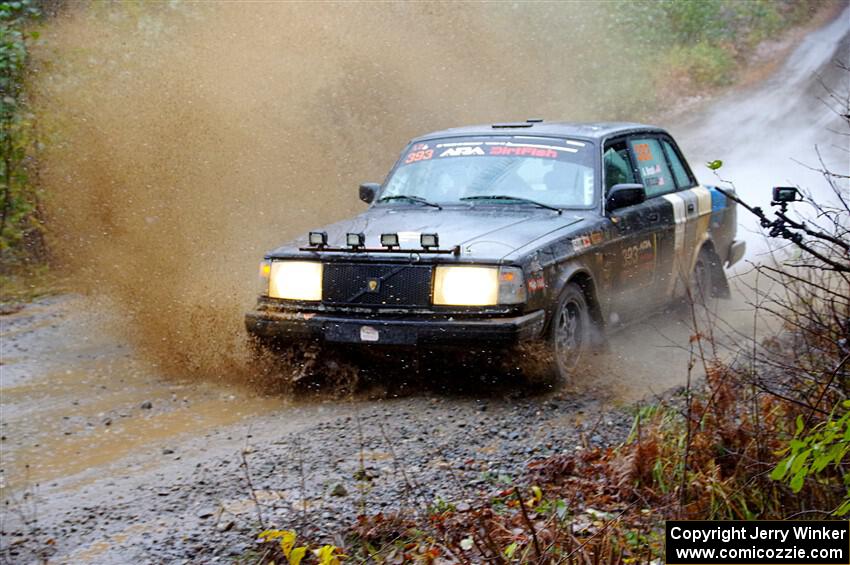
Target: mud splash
192	138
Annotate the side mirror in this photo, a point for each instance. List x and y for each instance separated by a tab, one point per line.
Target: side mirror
622	195
368	190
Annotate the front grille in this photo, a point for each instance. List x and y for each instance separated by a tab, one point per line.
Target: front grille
368	284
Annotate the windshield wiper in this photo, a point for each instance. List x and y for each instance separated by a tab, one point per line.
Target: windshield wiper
514	198
412	199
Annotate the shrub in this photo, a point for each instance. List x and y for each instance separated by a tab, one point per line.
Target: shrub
20	228
703	64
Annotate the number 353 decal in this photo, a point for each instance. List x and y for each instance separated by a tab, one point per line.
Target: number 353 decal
419	156
640	254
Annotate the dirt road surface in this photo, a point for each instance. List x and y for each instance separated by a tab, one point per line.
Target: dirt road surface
106	461
114	463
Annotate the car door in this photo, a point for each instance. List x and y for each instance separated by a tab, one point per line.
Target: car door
691	204
659	176
643	254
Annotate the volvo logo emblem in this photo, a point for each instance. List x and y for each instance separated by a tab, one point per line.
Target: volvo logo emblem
373	285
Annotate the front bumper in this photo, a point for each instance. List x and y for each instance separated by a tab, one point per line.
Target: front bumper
290	325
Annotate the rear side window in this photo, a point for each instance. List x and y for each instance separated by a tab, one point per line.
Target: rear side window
652	166
618	169
683	180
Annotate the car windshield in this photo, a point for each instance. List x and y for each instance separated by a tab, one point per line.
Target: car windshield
473	170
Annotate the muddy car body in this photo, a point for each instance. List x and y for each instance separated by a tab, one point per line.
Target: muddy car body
505	234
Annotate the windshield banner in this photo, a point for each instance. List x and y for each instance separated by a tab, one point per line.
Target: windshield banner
543	148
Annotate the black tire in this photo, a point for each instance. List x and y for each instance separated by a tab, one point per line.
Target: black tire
558	358
571	332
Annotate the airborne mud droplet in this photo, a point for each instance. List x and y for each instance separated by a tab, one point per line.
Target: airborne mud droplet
189	140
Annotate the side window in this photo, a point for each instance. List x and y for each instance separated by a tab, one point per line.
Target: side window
683	180
618	168
652	166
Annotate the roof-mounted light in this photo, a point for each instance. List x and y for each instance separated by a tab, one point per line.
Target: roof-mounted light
318	239
355	240
429	240
389	240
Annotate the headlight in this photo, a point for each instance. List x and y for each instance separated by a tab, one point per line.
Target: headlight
478	286
296	280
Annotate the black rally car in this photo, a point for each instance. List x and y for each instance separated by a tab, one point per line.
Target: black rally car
503	234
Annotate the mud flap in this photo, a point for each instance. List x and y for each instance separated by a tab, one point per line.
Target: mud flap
719	282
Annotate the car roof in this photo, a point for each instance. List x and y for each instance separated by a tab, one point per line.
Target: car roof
591	131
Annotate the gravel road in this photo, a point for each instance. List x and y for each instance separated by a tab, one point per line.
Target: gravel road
106	461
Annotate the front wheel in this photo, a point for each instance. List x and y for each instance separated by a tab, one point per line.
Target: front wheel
570	332
560	355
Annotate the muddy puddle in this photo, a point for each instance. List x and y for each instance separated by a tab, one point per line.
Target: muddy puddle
74	399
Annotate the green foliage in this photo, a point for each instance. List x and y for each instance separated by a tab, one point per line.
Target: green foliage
703	63
821	454
730	22
441	506
692	21
26	284
18	199
703	41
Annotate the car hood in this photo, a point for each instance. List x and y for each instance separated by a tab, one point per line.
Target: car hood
482	232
